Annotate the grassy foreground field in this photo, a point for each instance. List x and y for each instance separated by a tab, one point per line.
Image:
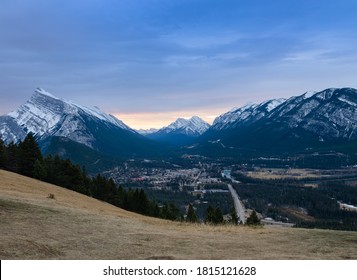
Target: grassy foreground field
73	226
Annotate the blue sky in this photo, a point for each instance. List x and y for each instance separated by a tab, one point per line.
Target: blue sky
151	61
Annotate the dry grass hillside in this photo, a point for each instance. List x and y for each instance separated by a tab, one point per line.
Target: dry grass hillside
73	226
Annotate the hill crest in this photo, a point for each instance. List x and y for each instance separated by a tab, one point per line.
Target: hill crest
73	226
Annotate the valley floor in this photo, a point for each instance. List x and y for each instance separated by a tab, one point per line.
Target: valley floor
73	226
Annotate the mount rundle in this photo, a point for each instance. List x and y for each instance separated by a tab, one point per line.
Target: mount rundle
45	115
51	119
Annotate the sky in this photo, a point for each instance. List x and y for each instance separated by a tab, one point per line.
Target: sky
149	62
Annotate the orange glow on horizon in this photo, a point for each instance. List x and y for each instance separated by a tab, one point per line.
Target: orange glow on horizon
160	119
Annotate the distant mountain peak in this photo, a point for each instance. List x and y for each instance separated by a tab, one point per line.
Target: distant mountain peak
181	132
146	131
193	126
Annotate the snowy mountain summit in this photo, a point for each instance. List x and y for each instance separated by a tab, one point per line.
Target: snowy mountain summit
146	131
181	132
194	126
46	115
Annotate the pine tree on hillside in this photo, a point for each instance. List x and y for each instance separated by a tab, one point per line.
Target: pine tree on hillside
191	215
214	216
2	154
209	215
39	170
234	217
253	219
175	212
122	197
11	157
142	202
29	152
170	212
155	210
218	216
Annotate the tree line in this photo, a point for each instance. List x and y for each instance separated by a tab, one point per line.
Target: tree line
275	198
25	158
214	216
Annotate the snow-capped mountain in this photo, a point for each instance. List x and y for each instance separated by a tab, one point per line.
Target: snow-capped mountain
313	119
246	114
182	131
194	126
147	131
45	115
329	114
48	117
309	120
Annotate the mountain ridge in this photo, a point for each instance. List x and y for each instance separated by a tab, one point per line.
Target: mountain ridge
47	116
313	119
43	113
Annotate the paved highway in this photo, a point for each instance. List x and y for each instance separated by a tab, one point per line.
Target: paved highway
237	204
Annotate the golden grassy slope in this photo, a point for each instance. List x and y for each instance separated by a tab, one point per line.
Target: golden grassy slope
73	226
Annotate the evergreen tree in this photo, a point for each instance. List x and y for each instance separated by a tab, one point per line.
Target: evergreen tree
130	201
29	152
174	212
122	197
191	215
11	157
234	217
86	181
154	209
253	219
2	154
218	216
214	216
141	202
209	215
165	212
170	212
39	171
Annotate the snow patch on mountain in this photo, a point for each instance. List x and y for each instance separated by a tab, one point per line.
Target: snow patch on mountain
272	104
309	94
248	113
347	101
43	92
